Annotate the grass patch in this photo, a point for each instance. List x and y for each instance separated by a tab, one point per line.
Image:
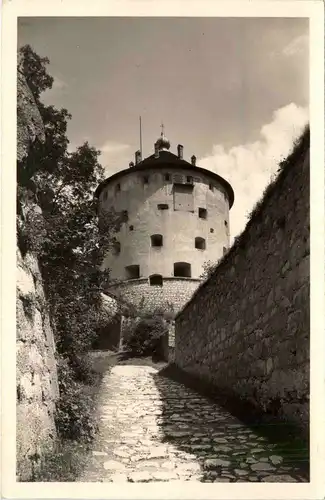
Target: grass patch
64	464
76	420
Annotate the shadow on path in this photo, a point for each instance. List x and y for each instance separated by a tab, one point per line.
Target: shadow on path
230	445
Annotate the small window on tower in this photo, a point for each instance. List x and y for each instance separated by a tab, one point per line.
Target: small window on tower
117	188
156	280
189	179
162	206
167	177
131	228
203	213
211	230
200	243
145	179
156	240
211	187
132	272
226	223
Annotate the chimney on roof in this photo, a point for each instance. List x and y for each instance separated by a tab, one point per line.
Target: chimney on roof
180	151
193	160
156	150
137	156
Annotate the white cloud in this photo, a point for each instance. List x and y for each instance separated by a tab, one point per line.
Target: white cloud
114	156
297	46
111	147
58	84
249	167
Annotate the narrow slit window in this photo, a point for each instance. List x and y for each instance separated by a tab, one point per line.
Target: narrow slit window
145	179
200	243
167	177
132	272
116	248
162	206
189	179
226	223
156	280
182	270
203	213
211	230
211	187
117	188
156	240
131	228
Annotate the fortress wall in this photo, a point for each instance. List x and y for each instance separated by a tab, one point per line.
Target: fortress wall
178	227
246	329
172	296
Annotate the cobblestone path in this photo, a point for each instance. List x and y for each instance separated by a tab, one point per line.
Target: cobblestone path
155	429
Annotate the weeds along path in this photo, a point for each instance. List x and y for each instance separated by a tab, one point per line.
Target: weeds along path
156	429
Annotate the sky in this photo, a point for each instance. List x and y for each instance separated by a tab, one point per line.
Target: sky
233	91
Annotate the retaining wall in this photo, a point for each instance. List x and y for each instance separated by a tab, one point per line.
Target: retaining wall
246	329
172	296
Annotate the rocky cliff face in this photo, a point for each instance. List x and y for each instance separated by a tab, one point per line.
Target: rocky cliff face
29	122
37	386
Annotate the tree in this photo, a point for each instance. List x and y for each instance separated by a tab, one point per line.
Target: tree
48	157
66	235
208	269
34	69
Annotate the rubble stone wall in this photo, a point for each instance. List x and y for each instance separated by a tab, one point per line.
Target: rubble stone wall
246	329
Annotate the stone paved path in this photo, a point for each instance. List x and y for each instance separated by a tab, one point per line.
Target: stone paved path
155	429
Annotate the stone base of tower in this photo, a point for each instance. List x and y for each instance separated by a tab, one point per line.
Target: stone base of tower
145	298
170	297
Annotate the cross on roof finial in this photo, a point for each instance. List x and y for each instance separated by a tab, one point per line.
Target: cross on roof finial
162	129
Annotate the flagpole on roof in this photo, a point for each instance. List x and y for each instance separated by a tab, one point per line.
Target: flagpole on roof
140	135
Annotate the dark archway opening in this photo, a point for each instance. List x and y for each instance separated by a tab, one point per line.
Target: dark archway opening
200	243
182	270
156	280
132	272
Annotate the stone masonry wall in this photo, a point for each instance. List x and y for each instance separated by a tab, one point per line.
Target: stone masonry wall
36	373
172	296
246	329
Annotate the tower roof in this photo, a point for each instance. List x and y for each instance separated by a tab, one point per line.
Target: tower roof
172	161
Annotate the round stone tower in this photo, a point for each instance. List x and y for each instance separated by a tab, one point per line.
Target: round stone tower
177	218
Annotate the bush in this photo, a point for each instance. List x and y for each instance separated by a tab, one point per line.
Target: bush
65	463
74	416
147	337
82	368
208	269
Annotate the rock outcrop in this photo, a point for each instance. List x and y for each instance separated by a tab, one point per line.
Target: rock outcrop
36	374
